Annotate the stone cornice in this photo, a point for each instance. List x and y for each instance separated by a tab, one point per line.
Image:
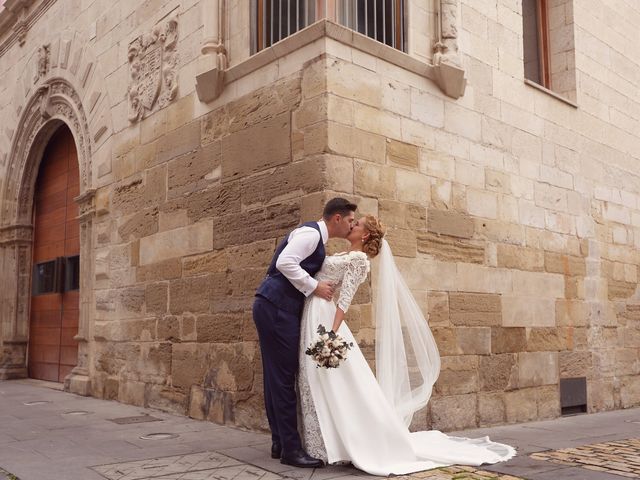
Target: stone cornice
17	17
339	33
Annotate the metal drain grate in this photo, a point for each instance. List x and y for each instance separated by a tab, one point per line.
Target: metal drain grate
137	419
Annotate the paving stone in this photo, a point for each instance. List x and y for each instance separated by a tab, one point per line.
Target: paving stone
599	457
574	473
168	465
40	441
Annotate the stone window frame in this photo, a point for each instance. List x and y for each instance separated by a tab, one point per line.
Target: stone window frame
226	55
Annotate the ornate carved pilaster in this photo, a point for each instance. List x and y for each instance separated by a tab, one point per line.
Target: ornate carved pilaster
450	75
213	61
78	380
15	260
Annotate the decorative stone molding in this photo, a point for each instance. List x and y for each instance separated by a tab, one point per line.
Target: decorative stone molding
86	204
58	100
52	104
16	17
16	234
44	61
15	257
213	61
47	95
448	70
153	62
44	93
68	58
15	296
55	100
20	28
78	381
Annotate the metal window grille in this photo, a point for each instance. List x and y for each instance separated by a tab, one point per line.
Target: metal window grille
382	20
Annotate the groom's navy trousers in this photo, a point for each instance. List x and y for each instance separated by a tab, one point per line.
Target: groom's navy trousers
279	334
276	312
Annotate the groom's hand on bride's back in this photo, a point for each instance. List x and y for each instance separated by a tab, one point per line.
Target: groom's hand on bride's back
324	290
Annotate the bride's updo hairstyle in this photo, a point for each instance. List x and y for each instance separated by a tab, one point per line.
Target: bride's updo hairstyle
373	242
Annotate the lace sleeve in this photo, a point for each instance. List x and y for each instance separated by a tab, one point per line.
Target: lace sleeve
357	270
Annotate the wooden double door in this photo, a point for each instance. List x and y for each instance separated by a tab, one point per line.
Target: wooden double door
53	352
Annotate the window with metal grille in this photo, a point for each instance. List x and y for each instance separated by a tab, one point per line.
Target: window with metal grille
382	20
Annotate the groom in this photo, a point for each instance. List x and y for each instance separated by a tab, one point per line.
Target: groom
276	312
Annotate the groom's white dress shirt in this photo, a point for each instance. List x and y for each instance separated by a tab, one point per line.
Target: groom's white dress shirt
302	243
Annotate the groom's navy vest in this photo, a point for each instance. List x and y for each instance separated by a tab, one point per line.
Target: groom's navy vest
278	289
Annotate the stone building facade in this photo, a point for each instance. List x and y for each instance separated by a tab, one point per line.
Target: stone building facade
513	209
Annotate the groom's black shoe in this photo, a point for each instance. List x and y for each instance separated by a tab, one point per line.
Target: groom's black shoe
276	450
300	459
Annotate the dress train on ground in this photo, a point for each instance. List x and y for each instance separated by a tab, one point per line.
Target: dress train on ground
347	418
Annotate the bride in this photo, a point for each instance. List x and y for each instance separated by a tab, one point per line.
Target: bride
350	415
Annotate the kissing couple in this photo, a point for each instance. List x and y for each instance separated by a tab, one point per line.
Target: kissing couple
348	413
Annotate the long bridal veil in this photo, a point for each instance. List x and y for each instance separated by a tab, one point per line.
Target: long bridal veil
407	357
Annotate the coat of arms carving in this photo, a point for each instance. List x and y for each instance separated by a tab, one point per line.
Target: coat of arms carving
152	66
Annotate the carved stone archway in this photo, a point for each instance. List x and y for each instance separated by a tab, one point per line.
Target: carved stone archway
53	103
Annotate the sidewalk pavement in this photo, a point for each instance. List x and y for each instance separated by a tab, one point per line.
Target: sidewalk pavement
47	434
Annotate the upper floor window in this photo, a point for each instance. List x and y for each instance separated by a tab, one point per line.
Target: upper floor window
549	47
536	42
382	20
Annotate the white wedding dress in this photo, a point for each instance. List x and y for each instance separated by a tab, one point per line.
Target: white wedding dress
346	417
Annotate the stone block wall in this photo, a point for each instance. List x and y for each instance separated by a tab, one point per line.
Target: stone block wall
188	202
562	48
184	240
513	215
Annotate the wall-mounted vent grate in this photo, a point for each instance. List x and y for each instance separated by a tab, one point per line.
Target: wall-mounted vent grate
573	395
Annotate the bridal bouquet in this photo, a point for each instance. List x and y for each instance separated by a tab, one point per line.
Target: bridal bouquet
329	350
